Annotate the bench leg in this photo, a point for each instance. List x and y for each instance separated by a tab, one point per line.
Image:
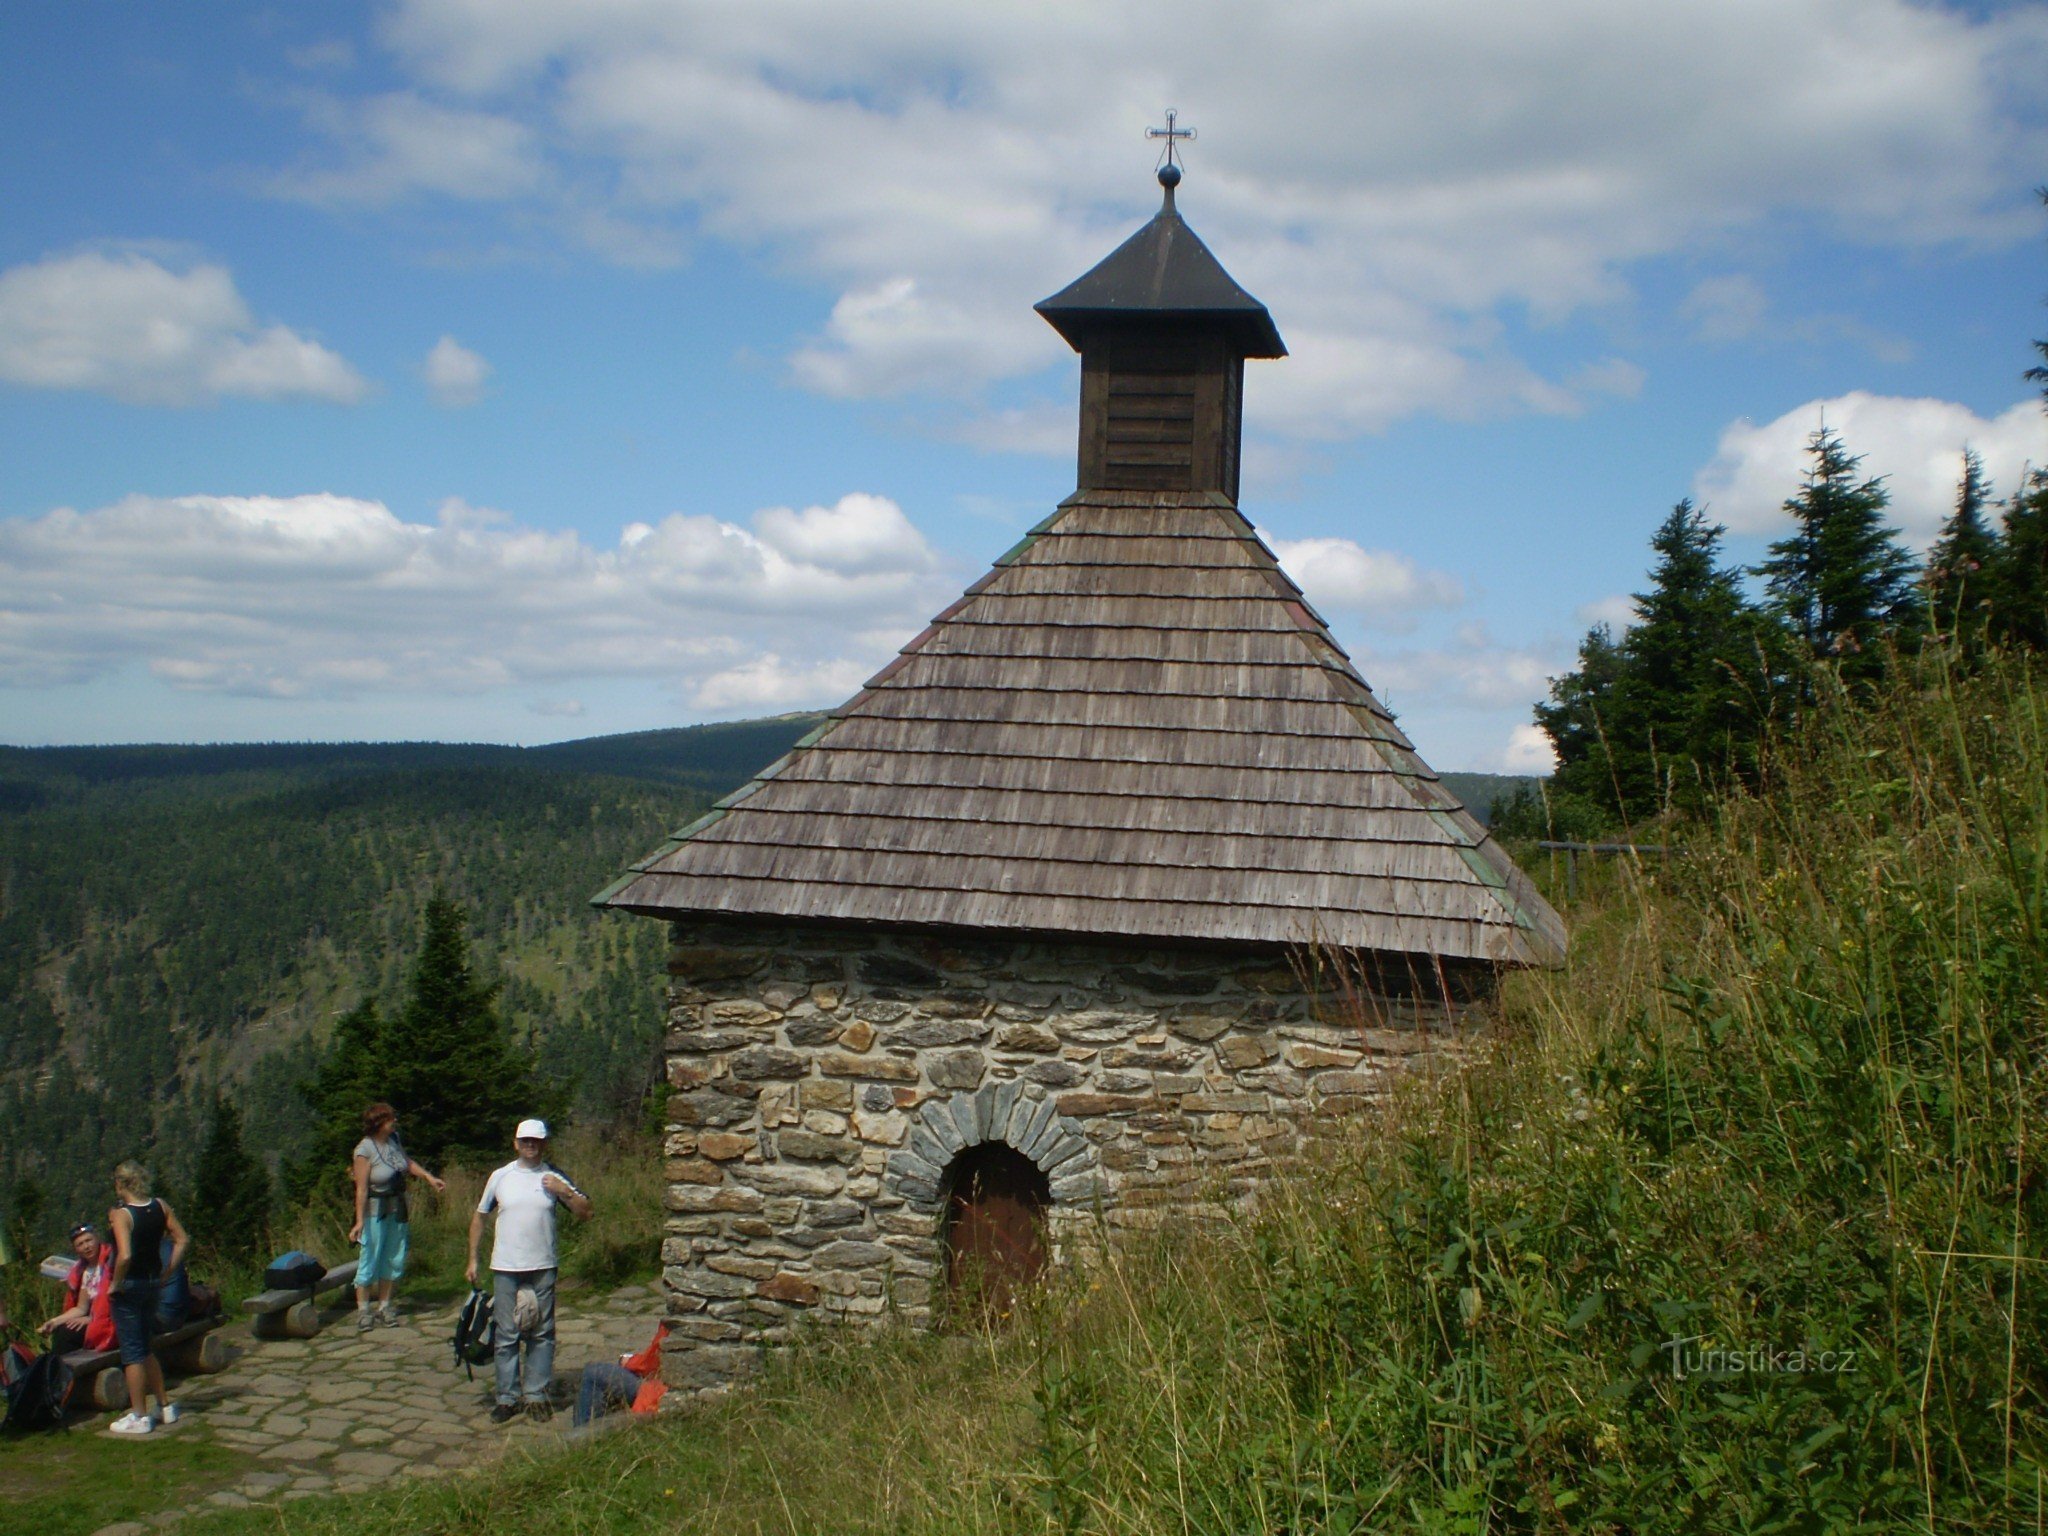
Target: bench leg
197	1357
301	1321
110	1389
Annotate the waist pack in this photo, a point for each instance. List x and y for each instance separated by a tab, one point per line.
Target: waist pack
476	1332
294	1271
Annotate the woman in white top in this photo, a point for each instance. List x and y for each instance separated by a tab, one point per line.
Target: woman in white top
381	1168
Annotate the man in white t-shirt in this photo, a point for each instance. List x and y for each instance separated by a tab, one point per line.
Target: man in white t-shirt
524	1193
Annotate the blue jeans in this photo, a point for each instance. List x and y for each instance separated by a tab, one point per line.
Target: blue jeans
531	1384
605	1387
134	1307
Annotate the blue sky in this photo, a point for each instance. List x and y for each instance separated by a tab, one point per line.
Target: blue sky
503	370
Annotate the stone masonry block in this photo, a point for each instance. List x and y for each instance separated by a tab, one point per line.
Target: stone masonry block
884	1069
956	1069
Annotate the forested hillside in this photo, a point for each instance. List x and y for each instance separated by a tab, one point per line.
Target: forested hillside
180	920
177	921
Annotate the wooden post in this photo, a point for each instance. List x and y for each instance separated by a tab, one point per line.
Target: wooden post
301	1320
200	1356
110	1389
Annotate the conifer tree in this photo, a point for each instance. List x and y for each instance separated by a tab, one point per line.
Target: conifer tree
1961	568
453	1071
1672	706
2040	375
354	1072
1842	581
229	1210
2019	589
1691	662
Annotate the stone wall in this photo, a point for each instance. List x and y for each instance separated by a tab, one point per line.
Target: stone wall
823	1080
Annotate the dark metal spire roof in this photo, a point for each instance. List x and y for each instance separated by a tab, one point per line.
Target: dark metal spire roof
1163	272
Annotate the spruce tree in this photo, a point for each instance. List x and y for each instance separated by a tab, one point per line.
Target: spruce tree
354	1072
229	1209
1842	582
2019	589
1583	721
455	1075
2040	375
1962	565
1673	705
1690	672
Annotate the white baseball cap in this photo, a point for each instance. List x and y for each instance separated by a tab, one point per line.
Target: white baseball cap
537	1129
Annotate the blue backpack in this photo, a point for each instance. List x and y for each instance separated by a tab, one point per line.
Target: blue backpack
294	1271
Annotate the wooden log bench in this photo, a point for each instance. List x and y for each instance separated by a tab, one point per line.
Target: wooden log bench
194	1349
295	1314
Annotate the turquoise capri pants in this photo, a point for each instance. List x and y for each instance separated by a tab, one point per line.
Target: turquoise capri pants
383	1255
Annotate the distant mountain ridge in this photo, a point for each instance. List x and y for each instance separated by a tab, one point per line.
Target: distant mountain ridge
714	758
708	757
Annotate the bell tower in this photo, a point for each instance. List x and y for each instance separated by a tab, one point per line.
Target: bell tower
1163	332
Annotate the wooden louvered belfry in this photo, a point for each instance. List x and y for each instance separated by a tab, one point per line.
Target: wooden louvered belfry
1134	727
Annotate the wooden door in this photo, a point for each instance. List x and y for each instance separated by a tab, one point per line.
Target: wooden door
995	1229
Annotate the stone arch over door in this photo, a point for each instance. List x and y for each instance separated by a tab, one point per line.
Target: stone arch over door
1015	1113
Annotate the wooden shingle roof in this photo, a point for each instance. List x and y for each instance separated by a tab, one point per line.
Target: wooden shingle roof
1134	727
1162	273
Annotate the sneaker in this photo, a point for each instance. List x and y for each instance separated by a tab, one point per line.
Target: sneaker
366	1319
540	1410
388	1315
504	1413
168	1416
131	1424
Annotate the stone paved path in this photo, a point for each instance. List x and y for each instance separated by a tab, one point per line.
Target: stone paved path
350	1409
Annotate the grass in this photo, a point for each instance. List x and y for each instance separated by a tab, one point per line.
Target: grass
73	1482
78	1480
1784	1109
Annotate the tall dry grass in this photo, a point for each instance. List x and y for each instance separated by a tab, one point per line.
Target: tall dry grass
1735	1226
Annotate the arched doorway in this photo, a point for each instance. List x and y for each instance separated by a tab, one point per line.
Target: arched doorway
996	1199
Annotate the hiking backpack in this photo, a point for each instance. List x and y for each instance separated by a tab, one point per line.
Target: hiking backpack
38	1387
476	1332
16	1358
294	1271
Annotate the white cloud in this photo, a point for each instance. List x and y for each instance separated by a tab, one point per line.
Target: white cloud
1396	182
1474	672
1617	612
399	145
1044	430
558	709
767	682
1916	444
1384	590
1733	307
455	374
857	535
1529	751
330	596
124	324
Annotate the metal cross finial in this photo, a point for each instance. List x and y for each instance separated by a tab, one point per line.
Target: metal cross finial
1169	170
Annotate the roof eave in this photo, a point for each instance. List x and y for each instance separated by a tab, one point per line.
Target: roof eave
1253	330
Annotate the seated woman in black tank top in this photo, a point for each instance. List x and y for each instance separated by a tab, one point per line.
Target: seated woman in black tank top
140	1223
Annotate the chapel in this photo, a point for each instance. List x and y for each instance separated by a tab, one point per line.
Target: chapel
1100	900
